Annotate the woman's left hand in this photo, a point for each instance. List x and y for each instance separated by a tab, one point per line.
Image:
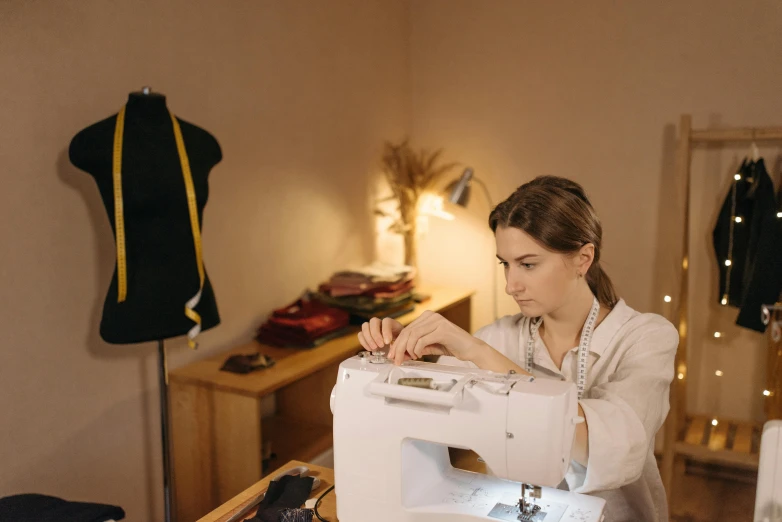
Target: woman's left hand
432	334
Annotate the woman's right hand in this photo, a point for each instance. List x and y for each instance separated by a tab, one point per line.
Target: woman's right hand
377	334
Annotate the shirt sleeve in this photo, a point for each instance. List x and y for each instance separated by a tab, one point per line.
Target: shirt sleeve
624	414
502	335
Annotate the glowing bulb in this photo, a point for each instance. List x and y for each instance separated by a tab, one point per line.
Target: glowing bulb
667	299
727	262
738	219
766	393
737	177
718	373
714	422
717	334
680	376
779	214
724	300
432	205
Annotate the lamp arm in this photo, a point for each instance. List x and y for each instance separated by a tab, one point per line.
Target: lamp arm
485	190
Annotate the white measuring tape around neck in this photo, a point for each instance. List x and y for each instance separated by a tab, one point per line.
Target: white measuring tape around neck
583	345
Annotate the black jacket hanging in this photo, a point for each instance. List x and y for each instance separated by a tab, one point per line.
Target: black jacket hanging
754	247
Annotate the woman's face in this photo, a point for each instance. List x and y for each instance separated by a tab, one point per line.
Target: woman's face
538	279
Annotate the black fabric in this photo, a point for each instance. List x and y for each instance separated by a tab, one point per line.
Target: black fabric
43	508
290	491
162	273
721	238
756	269
247	363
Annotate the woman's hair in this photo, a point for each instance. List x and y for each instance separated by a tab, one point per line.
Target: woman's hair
557	213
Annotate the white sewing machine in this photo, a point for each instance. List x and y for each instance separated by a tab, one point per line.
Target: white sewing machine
393	426
768	495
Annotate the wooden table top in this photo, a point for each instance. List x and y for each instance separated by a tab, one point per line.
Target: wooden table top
292	364
327	508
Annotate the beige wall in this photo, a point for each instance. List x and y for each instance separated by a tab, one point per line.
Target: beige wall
300	96
593	91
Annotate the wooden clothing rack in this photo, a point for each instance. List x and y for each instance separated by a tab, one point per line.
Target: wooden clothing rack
773	401
732	443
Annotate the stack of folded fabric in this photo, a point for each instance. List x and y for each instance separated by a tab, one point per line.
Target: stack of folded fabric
305	323
376	290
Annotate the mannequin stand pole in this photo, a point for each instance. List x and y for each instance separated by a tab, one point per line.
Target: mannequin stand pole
163	387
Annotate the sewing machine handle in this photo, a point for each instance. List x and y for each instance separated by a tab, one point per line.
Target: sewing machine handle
450	398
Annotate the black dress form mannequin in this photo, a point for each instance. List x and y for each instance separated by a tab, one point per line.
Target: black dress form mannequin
162	272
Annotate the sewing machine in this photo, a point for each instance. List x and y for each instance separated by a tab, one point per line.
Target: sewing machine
393	426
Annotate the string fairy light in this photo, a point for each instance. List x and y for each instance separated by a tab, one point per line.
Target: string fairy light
733	220
667	299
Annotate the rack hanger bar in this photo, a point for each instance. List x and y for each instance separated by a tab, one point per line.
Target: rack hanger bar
737	134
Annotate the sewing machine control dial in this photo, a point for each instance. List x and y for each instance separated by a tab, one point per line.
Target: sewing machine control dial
377	358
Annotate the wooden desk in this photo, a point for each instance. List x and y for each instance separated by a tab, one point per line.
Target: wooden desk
218	435
327	508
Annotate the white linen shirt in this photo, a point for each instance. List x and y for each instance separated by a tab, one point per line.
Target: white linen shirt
630	369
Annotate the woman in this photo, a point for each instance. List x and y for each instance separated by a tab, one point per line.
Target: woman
548	240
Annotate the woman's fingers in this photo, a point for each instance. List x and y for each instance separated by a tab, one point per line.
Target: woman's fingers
389	329
426	344
404	344
370	344
374	331
400	346
412	338
363	341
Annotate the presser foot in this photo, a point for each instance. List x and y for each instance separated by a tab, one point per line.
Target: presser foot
528	510
515	514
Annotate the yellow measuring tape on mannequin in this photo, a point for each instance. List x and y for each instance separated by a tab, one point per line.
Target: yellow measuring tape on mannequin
119	221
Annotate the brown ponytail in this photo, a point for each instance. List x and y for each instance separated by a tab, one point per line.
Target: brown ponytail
601	285
557	213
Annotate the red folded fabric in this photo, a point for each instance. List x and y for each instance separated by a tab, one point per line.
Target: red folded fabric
302	322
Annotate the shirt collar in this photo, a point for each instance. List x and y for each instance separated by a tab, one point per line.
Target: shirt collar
601	337
606	330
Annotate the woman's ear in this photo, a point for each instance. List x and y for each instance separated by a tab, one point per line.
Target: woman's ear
585	258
